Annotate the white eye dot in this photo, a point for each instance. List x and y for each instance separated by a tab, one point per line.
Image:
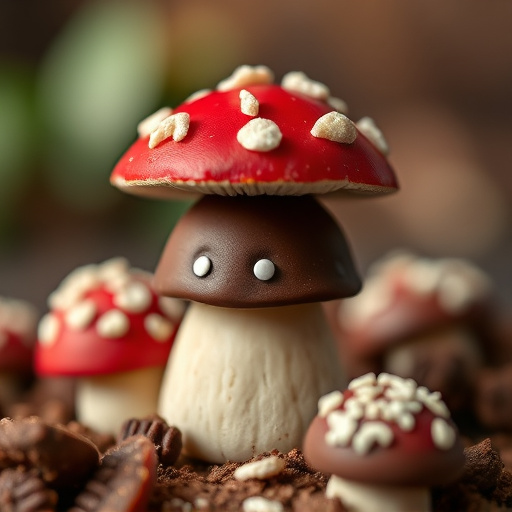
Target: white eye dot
202	266
264	269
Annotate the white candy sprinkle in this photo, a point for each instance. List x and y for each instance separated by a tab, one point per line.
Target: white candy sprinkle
259	135
134	298
249	105
201	503
113	269
443	434
151	122
198	95
341	428
432	401
264	269
202	266
329	402
48	329
455	293
81	315
354	408
175	126
158	327
113	324
261	504
369	434
244	76
260	469
368	379
367	126
338	104
336	127
299	82
173	308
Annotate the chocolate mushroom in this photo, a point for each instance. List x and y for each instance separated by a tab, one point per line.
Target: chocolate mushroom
18	331
108	328
254	348
385	441
421	318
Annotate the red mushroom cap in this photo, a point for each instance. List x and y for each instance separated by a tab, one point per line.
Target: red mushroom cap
253	137
18	331
405	295
385	430
106	319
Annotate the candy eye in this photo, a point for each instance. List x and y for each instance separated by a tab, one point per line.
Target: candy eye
202	266
264	270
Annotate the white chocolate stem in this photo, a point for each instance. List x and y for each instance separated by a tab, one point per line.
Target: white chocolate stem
244	381
359	497
104	402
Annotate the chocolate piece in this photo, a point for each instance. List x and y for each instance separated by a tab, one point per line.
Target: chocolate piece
311	260
24	491
124	480
64	458
167	440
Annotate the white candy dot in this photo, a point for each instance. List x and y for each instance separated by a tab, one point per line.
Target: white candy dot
48	329
113	324
202	266
81	315
264	269
134	298
259	135
158	327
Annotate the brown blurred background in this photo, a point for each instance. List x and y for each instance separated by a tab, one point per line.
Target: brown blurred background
77	75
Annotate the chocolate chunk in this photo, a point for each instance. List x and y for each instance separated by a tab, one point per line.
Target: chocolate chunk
24	491
167	440
483	466
124	480
64	458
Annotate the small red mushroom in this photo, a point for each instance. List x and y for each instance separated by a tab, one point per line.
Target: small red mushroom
420	318
18	332
108	328
385	441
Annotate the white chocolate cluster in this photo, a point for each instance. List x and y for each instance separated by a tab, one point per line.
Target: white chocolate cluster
261	469
370	413
73	308
261	134
456	284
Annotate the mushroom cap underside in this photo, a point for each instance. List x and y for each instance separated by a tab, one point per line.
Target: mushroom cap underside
211	160
260	251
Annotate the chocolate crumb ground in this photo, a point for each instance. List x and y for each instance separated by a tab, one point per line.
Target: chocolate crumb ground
134	474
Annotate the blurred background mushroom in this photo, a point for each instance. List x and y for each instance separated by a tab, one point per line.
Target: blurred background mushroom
77	76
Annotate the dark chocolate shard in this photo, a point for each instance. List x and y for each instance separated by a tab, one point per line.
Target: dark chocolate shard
167	439
25	491
64	458
124	480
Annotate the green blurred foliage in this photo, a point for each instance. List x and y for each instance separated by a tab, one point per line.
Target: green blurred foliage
102	75
18	141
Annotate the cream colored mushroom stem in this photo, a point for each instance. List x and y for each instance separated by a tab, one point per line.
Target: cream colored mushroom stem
243	381
360	497
104	402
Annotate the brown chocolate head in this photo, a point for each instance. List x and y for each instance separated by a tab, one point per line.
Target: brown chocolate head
261	251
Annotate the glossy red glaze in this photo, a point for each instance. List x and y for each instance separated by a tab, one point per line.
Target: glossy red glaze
411	459
210	153
15	353
85	352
